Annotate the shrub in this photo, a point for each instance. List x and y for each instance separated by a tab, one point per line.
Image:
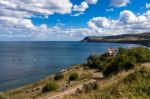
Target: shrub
89	87
73	76
127	59
93	61
138	82
51	86
58	77
2	96
141	54
98	62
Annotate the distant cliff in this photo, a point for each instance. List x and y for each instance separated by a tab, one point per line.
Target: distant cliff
143	39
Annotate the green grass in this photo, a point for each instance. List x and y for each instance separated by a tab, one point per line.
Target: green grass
134	84
51	86
138	83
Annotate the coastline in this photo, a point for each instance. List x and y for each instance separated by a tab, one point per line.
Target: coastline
122	42
50	76
141	38
37	84
40	78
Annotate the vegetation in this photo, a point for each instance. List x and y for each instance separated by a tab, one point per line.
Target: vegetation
73	76
51	86
142	38
131	79
2	96
125	59
138	83
131	82
129	85
98	62
58	77
34	91
89	87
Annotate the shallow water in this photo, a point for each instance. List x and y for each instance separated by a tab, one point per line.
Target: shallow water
22	63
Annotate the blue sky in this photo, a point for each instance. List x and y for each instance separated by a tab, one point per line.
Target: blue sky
59	20
136	6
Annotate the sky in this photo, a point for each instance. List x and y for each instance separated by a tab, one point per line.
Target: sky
71	20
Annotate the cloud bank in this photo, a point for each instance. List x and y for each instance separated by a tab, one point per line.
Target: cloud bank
16	20
127	22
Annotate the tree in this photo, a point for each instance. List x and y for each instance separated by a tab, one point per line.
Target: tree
89	87
58	77
73	76
51	86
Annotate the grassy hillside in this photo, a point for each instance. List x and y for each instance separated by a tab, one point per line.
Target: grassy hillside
126	75
133	84
143	38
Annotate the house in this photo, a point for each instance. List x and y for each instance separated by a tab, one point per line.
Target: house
111	51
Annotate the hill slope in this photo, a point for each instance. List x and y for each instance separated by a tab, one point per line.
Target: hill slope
133	84
143	39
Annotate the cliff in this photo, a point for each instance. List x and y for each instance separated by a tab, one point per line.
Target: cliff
143	39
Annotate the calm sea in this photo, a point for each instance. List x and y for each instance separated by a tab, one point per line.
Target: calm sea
22	63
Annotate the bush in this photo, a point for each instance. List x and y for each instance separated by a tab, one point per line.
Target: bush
127	59
89	87
138	82
58	77
141	54
98	62
73	76
51	86
2	96
93	61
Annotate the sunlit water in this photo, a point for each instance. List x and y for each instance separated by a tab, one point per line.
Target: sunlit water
22	63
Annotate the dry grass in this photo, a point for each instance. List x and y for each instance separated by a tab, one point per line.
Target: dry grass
111	87
18	93
114	87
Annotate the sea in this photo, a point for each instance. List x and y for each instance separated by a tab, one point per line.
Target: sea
23	63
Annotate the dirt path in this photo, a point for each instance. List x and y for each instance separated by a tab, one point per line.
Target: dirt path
69	91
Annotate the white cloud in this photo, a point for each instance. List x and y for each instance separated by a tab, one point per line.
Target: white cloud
99	22
77	14
147	5
17	13
16	23
109	10
45	7
119	3
91	1
127	22
81	7
127	17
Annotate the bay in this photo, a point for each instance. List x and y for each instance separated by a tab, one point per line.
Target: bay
23	63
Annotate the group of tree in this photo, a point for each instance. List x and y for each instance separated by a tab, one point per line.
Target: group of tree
125	59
